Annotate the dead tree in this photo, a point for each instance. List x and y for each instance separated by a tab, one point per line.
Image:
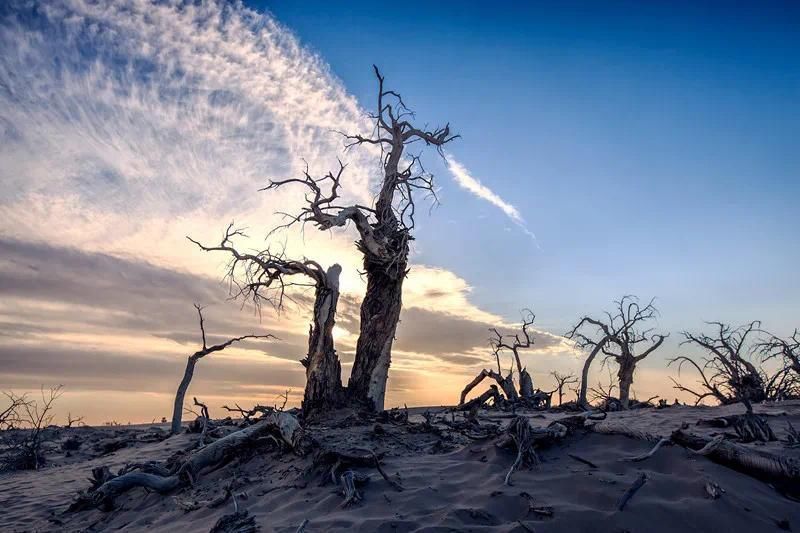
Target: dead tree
384	232
619	338
786	382
10	416
25	451
188	373
727	374
515	343
561	382
263	277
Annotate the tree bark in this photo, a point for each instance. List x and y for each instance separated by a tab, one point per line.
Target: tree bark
177	410
323	370
380	312
525	384
625	375
585	375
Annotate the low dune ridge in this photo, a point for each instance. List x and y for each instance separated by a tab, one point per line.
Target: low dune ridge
437	479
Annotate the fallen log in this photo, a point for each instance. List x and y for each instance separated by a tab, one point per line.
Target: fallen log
186	471
781	471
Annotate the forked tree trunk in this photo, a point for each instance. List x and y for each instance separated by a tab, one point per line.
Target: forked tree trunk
380	312
323	370
177	410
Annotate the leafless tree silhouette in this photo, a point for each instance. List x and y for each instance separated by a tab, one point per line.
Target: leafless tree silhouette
188	373
619	338
562	380
384	231
263	277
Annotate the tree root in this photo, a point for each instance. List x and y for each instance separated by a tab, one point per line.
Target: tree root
524	438
106	487
649	454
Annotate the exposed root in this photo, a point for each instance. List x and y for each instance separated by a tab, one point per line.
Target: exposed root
520	432
163	479
349	481
751	427
649	454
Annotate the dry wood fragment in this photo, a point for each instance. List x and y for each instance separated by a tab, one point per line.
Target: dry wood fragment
582	460
652	452
638	484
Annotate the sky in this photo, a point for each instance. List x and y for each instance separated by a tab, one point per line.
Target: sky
606	149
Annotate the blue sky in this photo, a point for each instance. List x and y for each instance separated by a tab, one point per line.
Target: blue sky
649	147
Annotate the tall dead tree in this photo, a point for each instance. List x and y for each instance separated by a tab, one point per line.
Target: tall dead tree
384	232
188	373
618	337
514	343
263	277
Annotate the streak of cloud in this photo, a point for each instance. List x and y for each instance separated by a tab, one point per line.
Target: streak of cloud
466	181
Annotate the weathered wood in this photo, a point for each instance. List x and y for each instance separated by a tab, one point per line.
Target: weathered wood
323	370
777	469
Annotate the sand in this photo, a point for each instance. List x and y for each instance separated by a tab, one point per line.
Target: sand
451	484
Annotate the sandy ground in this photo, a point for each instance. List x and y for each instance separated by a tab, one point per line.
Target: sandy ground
450	484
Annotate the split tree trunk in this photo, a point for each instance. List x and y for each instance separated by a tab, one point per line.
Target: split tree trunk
323	370
177	410
380	312
525	385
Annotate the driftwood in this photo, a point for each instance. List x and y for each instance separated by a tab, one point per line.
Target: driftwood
159	479
506	385
638	484
783	472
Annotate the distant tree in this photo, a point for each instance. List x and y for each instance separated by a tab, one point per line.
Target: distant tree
728	375
561	381
188	373
619	337
384	232
514	343
263	277
31	418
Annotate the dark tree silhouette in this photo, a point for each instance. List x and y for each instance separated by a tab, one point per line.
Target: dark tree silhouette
729	376
263	277
514	343
788	350
618	337
188	373
562	380
384	232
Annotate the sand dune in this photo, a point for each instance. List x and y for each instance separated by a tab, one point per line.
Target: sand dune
450	484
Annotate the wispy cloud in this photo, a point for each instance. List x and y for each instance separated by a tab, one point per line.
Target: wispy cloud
466	181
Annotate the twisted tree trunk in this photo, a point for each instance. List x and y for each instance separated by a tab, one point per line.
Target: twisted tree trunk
380	312
323	370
